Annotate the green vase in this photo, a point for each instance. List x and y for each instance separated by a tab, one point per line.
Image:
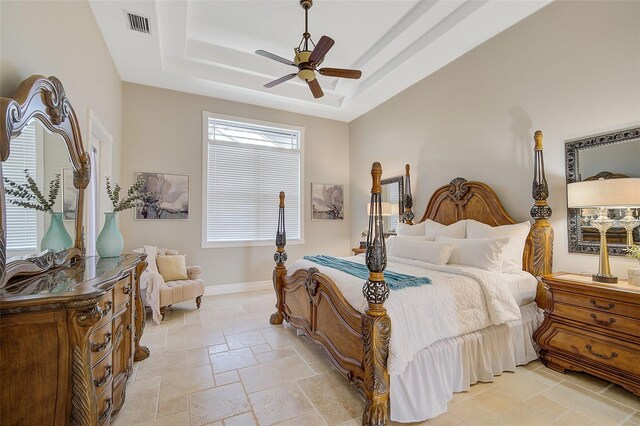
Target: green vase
57	238
110	242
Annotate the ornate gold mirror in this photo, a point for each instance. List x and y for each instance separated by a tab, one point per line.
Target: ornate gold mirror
43	174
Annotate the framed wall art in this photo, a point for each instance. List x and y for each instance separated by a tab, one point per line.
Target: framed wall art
167	196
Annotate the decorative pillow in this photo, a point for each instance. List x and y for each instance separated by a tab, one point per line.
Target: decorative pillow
483	254
173	267
418	248
455	230
404	230
517	234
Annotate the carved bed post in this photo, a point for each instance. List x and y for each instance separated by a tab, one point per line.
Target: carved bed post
539	246
407	217
376	325
280	271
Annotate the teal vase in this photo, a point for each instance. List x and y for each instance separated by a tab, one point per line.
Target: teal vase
110	242
57	238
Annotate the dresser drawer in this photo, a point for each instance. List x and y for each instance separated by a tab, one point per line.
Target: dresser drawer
100	342
596	348
598	304
102	374
105	406
106	305
121	293
594	317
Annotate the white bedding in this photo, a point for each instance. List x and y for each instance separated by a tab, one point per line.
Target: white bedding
460	300
523	286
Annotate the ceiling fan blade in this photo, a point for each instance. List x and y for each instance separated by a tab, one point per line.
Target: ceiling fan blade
280	80
340	72
321	49
315	88
275	57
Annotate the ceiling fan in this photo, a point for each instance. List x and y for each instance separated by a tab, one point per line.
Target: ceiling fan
307	61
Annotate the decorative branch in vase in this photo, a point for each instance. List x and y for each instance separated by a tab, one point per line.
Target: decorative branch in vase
29	196
110	242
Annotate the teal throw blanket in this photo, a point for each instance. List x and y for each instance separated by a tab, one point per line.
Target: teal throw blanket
394	280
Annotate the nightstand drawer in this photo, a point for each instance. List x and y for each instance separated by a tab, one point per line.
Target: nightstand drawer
598	304
594	317
590	346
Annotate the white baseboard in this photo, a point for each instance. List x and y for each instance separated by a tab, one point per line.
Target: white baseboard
214	290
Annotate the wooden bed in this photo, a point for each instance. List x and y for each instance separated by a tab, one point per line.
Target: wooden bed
359	343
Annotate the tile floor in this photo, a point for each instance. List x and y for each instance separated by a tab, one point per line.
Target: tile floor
226	365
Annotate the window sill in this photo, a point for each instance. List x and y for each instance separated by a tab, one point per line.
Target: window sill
229	244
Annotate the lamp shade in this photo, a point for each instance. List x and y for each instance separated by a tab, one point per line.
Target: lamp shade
609	193
386	209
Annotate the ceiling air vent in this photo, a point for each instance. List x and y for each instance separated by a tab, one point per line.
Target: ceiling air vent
138	22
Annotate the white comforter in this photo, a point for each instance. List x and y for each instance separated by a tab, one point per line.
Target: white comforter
461	299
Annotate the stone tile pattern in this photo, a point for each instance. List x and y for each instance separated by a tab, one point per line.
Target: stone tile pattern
225	365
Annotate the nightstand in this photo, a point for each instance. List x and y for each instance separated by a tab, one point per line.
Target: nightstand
358	250
592	327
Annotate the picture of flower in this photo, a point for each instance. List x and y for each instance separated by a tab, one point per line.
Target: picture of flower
327	201
166	196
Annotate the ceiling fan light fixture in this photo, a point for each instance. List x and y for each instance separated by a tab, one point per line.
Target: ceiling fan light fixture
307	75
307	59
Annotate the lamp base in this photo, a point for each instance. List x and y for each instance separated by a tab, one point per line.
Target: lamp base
607	279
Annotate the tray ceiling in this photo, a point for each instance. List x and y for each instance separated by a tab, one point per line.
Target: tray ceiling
207	47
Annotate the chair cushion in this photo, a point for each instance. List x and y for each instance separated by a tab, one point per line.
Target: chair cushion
180	291
172	267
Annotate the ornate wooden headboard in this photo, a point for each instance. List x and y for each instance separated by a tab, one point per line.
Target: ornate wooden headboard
462	199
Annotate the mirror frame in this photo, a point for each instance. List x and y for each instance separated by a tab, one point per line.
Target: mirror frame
572	149
45	100
400	181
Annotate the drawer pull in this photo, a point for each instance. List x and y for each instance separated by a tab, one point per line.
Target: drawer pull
127	289
606	308
107	411
107	308
100	382
592	352
97	347
602	322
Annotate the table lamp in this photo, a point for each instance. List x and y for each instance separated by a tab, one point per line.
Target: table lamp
386	208
604	194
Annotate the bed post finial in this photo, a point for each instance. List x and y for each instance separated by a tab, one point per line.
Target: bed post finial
280	257
376	325
407	217
538	253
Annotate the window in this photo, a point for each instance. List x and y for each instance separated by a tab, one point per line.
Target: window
22	224
246	164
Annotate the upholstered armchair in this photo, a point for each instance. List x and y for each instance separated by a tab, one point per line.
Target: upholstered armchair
158	294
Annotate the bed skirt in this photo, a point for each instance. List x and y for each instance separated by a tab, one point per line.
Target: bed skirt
423	389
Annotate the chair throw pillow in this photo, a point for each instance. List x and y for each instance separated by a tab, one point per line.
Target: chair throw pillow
172	267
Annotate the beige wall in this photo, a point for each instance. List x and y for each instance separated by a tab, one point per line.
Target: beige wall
571	69
62	39
163	133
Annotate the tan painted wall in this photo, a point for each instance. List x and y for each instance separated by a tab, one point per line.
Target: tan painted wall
163	133
571	69
62	39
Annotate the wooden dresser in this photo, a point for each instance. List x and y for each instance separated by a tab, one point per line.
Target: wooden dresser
69	337
592	327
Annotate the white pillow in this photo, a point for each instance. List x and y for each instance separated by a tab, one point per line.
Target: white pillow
404	230
437	253
517	234
483	254
455	230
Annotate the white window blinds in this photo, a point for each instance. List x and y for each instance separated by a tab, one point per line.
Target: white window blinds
247	165
22	229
